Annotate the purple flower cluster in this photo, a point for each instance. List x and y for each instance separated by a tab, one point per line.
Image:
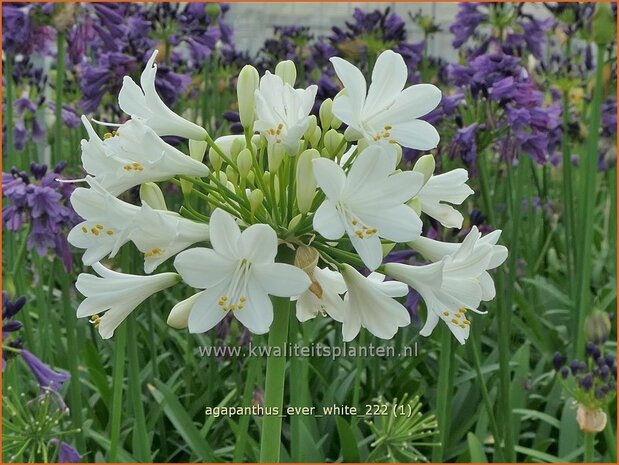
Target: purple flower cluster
520	32
43	202
531	126
595	379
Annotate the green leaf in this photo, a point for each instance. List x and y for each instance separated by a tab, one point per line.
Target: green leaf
181	421
348	443
476	449
527	413
537	455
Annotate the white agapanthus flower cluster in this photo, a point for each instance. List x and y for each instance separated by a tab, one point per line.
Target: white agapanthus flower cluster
292	208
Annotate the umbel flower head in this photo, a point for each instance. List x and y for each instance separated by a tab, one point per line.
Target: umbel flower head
288	209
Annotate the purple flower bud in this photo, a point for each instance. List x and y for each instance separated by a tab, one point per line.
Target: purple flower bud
605	372
558	360
565	372
587	382
575	367
46	377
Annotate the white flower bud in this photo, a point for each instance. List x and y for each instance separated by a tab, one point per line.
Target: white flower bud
255	200
335	123
197	149
306	183
215	160
232	175
236	147
244	162
287	71
315	138
245	88
152	195
425	165
179	315
326	113
311	126
275	156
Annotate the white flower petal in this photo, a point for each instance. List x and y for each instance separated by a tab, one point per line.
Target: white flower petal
281	279
388	79
327	221
205	313
258	244
329	176
203	268
225	234
416	134
398	224
257	314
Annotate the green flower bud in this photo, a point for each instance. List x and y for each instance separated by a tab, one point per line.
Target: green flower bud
255	200
315	137
311	127
215	160
292	225
332	142
236	147
244	162
425	165
251	178
152	195
603	24
246	86
222	177
306	184
597	327
197	149
287	71
232	175
326	113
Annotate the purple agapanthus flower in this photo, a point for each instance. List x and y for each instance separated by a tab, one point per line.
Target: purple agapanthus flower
43	202
66	452
46	376
464	145
468	18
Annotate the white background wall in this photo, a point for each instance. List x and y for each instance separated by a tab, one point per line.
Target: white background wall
253	22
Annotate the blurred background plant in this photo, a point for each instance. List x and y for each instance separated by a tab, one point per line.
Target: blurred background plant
529	108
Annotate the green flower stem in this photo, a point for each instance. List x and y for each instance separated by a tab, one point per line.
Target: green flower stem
253	367
60	72
8	72
270	442
609	436
73	344
443	399
118	374
140	433
589	441
588	189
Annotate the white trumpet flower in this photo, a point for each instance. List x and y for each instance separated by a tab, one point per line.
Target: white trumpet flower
388	113
369	304
116	294
436	250
160	235
133	155
323	296
110	223
449	287
369	203
282	112
239	273
145	104
448	187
